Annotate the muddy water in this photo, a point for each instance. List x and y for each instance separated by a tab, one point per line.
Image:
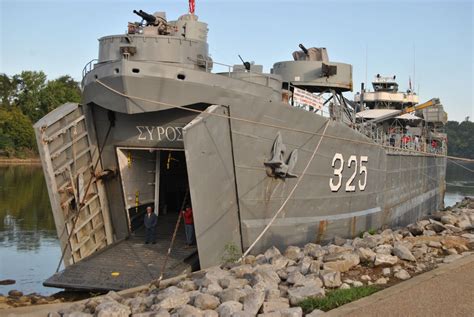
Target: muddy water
29	248
459	183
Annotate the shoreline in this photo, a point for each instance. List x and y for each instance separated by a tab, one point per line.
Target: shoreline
19	161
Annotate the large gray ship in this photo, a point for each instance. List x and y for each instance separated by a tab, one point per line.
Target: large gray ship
157	127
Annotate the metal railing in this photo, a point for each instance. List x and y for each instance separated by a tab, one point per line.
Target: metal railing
324	111
229	69
401	142
89	67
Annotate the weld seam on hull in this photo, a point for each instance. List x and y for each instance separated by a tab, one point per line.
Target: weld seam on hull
255	223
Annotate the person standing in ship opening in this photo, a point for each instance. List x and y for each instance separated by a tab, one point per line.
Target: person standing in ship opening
188	225
150	223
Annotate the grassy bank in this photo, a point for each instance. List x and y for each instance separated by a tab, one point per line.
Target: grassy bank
336	298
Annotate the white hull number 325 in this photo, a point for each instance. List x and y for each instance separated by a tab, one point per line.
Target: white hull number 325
338	164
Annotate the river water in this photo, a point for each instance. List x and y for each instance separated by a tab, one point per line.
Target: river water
29	248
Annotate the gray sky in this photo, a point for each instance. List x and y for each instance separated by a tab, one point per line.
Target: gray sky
429	41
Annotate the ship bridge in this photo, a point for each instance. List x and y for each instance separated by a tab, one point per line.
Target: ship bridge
386	95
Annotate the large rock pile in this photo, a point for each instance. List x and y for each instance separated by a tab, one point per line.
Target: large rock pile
273	283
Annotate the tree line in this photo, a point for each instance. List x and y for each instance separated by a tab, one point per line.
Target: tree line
25	98
28	96
460	138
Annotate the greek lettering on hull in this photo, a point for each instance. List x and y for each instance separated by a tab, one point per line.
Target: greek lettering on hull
159	133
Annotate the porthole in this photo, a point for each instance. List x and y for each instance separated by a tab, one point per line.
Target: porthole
181	76
117	70
135	70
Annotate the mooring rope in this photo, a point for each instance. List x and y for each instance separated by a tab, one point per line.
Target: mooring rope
460	165
277	126
288	197
431	177
163	266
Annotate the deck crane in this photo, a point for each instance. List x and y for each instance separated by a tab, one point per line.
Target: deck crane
429	103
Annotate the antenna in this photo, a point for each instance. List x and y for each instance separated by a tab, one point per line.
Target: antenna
366	60
414	70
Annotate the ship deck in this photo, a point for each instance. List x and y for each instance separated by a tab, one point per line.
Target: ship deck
135	262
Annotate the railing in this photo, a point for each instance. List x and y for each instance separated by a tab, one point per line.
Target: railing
228	69
88	67
400	142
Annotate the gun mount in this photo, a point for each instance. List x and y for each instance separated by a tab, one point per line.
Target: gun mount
303	48
150	19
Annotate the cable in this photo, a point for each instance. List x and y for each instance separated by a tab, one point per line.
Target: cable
276	126
460	165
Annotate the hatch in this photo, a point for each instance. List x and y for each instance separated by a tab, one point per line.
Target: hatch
155	177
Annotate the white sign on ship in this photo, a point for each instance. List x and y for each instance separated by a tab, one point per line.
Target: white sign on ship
304	99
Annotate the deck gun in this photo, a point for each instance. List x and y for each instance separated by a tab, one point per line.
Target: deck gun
304	49
246	64
150	19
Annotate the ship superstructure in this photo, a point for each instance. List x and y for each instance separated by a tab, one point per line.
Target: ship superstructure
156	127
396	119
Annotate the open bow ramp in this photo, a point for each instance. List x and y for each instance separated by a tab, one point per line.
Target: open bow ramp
129	263
148	176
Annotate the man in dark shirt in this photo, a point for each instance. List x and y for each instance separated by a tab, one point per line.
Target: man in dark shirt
150	225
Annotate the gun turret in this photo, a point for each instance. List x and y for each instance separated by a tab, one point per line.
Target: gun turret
150	19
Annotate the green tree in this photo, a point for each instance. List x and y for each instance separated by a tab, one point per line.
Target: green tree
25	98
28	92
7	90
57	92
16	129
460	138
